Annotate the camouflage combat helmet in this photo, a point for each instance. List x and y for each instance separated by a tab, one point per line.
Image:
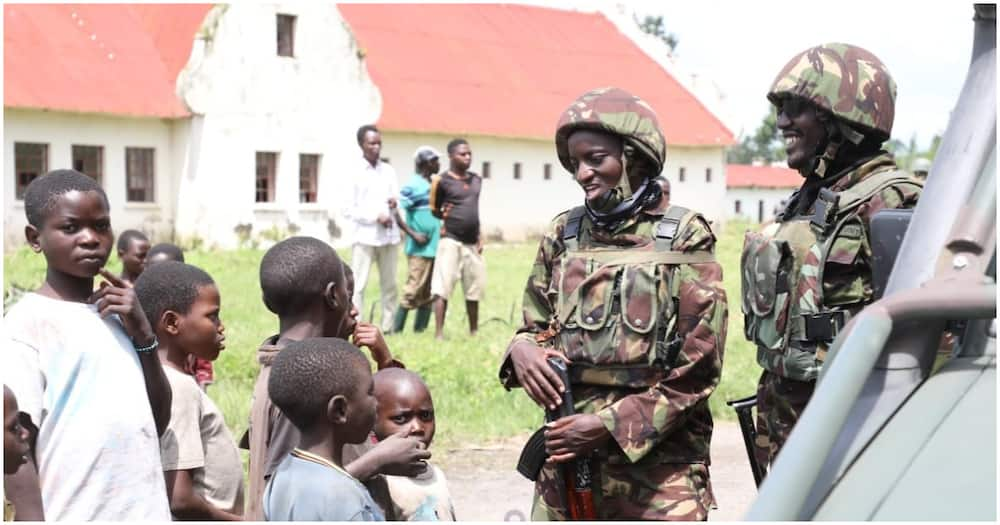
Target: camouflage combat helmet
845	80
616	111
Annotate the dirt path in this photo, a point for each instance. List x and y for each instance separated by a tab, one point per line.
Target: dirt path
485	487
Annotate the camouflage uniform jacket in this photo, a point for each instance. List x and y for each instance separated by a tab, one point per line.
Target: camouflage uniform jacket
653	418
826	272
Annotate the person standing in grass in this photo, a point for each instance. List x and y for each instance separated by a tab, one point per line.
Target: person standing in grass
309	288
373	193
204	474
454	198
83	365
133	247
423	230
625	289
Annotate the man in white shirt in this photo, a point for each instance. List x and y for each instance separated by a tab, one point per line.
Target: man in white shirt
376	236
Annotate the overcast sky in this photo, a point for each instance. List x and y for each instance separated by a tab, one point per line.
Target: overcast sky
742	45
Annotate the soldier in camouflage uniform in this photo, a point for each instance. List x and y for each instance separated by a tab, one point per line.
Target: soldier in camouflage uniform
627	290
805	275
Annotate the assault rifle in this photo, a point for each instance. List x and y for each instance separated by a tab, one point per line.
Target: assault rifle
574	477
743	408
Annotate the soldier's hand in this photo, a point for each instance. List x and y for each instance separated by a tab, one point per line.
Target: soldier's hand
536	376
572	436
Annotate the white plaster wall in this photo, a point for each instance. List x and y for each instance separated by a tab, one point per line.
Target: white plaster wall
524	207
247	99
695	192
750	199
62	130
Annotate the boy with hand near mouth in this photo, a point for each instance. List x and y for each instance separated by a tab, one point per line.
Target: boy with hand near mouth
405	406
309	288
324	387
83	364
203	471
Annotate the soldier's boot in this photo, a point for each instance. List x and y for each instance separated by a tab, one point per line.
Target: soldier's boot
423	319
399	322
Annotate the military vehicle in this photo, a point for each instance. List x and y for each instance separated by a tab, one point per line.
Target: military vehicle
888	436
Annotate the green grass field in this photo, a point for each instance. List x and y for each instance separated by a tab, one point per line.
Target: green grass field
461	371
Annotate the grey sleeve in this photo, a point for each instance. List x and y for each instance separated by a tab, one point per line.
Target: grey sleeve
284	437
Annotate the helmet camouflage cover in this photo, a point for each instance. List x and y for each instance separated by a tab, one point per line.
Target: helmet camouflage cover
613	110
846	80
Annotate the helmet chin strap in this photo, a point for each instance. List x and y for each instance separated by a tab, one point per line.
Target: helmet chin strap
621	202
837	133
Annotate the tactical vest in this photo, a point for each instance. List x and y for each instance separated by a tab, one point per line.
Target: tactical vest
617	307
782	277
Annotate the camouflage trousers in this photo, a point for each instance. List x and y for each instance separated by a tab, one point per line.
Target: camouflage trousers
780	402
668	491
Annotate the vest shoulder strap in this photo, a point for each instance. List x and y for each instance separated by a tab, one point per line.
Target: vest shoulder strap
870	186
669	226
835	207
571	231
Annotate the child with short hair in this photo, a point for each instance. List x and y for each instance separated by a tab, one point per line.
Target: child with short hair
324	386
204	372
204	474
309	288
83	365
133	247
164	251
405	405
15	444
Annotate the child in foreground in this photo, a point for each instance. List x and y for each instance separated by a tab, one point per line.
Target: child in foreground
309	288
15	444
202	467
405	405
83	365
324	387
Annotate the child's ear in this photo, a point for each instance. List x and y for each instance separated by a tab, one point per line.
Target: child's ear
31	236
336	409
330	296
170	321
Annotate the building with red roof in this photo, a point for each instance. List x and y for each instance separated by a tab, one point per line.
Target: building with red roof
201	120
755	192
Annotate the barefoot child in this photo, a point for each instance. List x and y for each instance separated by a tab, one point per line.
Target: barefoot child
324	386
405	405
204	474
15	444
83	365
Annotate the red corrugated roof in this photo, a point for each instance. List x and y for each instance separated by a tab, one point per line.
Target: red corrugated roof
510	70
744	176
105	58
